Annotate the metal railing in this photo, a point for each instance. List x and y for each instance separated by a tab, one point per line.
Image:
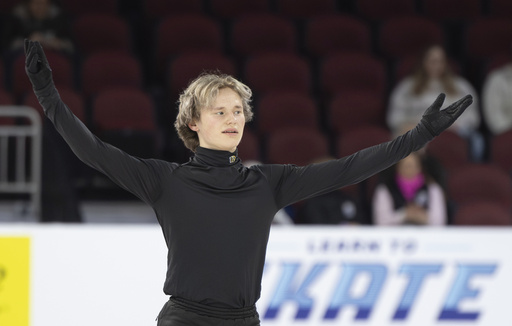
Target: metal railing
21	155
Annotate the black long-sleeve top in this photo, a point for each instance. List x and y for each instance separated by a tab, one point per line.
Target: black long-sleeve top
216	215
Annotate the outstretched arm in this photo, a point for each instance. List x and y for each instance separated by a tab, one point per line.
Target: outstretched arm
293	183
133	174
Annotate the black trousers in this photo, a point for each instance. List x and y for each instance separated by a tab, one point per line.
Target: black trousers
181	312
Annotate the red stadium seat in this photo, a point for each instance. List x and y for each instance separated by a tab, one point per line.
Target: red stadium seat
500	8
303	9
100	31
123	109
343	72
404	67
353	110
482	213
296	146
124	117
255	33
408	35
31	100
485	39
452	10
474	182
278	72
231	9
187	67
157	9
286	109
326	34
7	5
102	70
249	148
496	62
80	7
500	150
450	149
6	99
178	34
361	138
378	11
488	37
62	71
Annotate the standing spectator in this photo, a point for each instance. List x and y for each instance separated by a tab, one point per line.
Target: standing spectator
497	99
431	77
38	20
409	196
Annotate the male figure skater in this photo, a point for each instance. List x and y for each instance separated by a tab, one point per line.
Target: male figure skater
214	212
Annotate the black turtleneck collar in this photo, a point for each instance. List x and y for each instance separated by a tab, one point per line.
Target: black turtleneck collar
212	157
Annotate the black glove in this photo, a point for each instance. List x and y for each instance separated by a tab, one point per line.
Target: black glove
37	68
437	120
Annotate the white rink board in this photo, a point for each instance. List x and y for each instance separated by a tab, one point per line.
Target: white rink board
107	275
388	276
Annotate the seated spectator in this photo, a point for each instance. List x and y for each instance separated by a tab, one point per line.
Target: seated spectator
408	195
38	20
431	77
336	207
497	99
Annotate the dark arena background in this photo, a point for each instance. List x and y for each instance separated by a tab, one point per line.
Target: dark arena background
329	78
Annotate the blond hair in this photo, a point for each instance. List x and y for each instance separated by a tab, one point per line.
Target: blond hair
199	95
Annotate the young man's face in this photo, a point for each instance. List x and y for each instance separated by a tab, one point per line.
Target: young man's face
221	126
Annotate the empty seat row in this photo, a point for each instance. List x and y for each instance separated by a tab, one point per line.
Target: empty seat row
178	33
324	36
254	33
131	108
264	73
297	9
99	71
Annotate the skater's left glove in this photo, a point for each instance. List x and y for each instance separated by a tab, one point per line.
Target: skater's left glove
437	120
37	68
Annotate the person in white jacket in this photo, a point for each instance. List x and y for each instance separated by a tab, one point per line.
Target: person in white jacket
497	99
433	75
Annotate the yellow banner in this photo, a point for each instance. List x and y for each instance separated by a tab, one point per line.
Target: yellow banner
14	281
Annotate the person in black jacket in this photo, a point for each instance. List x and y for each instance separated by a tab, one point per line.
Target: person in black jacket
215	213
38	20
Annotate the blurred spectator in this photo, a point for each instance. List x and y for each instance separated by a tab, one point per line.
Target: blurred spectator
342	206
497	99
336	207
38	20
408	195
417	91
